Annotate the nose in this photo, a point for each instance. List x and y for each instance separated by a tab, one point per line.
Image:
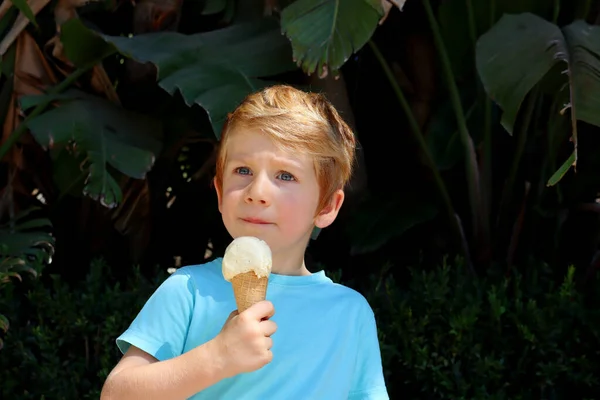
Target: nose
258	191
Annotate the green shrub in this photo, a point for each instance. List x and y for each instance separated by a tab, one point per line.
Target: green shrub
452	336
26	245
444	335
61	344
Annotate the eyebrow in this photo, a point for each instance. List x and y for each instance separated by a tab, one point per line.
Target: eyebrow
244	157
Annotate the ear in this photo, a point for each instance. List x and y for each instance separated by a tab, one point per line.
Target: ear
329	213
219	194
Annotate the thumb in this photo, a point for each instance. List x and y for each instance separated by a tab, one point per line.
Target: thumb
231	316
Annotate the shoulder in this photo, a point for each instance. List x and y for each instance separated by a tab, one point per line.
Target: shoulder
200	273
350	299
193	279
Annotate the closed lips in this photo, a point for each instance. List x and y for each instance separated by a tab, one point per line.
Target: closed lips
255	221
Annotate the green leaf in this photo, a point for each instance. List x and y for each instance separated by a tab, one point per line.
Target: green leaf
82	46
454	24
325	33
4	325
6	22
562	170
34	223
21	266
7	60
513	57
25	242
23	215
583	43
520	50
67	173
99	184
216	69
26	10
106	134
214	6
22	242
28	102
443	138
380	220
9	264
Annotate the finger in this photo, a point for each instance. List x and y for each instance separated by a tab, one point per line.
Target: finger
268	327
261	310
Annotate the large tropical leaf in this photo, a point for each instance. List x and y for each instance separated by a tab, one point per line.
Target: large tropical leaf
217	69
520	50
24	242
325	33
453	16
104	133
383	218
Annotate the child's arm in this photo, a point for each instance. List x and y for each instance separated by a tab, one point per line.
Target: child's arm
139	375
243	345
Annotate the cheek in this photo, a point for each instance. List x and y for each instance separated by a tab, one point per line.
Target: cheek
229	198
232	192
298	208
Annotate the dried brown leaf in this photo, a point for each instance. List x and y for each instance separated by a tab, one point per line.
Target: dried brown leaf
4	7
387	6
100	82
20	24
32	75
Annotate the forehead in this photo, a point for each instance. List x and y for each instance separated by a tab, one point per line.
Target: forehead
246	143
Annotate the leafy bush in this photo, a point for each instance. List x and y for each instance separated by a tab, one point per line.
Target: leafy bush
444	334
25	246
450	335
61	342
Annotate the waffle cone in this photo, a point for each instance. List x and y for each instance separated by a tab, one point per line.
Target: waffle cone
248	289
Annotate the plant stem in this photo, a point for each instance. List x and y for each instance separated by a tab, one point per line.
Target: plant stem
22	128
487	175
485	168
487	142
586	9
521	141
417	135
471	19
472	171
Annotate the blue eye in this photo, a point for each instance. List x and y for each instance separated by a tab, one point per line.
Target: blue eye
286	176
243	171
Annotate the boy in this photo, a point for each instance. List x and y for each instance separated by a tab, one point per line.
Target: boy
284	158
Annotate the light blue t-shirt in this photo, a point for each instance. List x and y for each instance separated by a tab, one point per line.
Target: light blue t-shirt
325	347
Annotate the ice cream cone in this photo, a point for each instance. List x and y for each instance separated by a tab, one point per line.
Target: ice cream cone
248	289
247	265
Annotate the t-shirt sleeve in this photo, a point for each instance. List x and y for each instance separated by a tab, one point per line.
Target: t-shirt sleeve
160	328
368	382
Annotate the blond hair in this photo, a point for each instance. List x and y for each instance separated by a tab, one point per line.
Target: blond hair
297	121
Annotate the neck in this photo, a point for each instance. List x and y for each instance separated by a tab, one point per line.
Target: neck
286	264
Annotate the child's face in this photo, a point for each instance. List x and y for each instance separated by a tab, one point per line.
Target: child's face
269	193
